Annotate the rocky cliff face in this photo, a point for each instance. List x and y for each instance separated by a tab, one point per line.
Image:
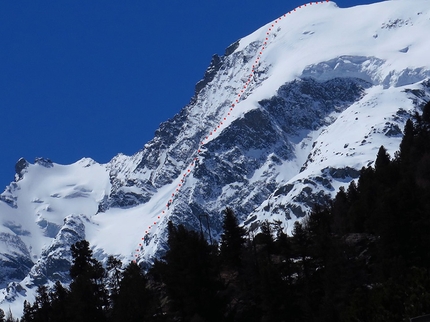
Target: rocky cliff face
314	98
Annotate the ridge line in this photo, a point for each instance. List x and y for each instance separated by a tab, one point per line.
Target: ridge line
140	251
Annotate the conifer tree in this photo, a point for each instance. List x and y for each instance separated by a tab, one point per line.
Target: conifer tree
191	275
27	315
352	192
232	239
9	317
59	301
382	159
87	293
407	141
301	244
340	211
113	278
42	304
426	114
82	259
134	301
361	210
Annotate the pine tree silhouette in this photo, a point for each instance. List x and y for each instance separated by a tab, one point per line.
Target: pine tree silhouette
232	239
87	293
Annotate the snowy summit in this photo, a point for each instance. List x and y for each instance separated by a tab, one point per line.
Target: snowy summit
318	91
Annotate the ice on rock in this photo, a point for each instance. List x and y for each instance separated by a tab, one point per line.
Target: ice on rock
332	85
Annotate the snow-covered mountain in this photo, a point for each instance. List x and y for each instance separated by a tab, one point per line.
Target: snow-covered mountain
288	115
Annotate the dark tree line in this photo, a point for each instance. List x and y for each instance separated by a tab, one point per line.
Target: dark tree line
362	257
95	293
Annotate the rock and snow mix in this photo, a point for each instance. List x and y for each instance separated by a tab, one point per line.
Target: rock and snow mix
332	86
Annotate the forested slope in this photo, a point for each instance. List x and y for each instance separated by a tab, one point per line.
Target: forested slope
362	257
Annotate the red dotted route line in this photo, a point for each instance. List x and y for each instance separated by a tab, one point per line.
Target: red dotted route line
139	249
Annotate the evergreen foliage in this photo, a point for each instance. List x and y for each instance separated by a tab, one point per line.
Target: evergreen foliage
232	239
9	317
113	278
95	293
364	257
190	273
134	301
87	293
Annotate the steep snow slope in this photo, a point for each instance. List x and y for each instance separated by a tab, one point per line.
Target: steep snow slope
317	98
43	213
340	150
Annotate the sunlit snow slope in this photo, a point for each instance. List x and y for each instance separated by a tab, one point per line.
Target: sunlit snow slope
323	92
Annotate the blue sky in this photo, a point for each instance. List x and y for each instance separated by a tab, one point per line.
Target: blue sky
96	78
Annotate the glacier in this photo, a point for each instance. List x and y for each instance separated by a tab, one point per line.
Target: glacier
316	92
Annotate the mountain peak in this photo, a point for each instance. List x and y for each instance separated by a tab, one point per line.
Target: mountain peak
288	115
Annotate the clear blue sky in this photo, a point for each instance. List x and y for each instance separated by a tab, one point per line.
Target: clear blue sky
94	78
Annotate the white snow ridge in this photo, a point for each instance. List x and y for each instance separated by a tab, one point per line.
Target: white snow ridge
331	86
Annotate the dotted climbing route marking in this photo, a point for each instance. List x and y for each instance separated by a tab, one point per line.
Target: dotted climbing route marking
241	90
